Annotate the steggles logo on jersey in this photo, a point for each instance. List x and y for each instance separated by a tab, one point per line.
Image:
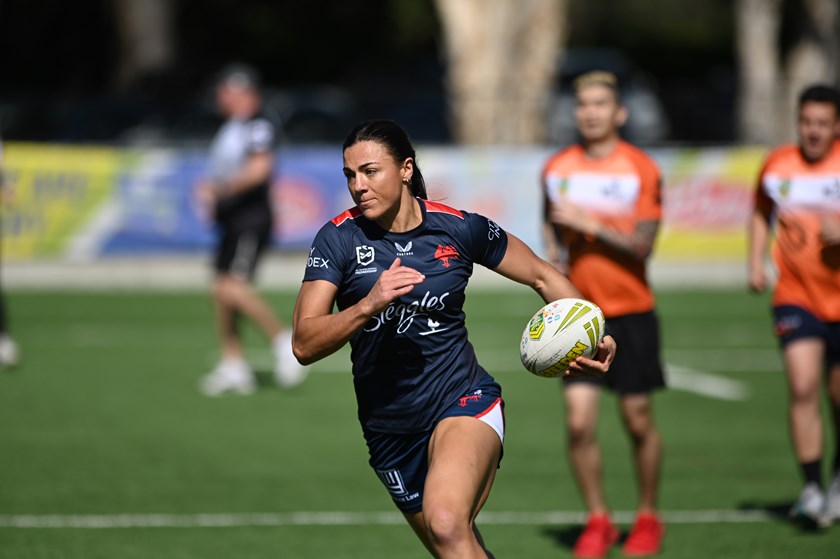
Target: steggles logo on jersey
405	314
444	253
434	327
364	255
403	250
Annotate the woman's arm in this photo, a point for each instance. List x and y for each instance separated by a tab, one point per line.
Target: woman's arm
318	331
521	265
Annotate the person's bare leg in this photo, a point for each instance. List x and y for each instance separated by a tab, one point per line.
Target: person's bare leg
584	453
637	414
804	362
463	457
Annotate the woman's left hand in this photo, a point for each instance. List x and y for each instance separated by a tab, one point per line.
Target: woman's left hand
597	367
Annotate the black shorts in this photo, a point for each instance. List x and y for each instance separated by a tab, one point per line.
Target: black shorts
795	323
240	248
637	367
401	460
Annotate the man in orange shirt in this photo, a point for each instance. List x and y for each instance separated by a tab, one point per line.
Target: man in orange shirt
602	213
799	185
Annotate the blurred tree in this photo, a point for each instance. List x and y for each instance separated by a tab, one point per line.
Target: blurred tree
759	24
782	47
147	48
501	63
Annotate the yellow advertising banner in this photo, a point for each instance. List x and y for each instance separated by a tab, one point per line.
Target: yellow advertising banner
55	191
708	195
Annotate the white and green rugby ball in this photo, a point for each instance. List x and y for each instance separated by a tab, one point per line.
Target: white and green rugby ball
560	332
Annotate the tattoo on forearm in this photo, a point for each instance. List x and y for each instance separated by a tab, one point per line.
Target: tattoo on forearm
637	244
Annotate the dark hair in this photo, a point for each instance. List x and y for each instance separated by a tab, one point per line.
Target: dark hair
396	140
821	94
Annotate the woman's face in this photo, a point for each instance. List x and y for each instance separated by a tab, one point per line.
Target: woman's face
376	182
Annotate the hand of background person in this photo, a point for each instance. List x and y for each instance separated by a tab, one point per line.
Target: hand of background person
205	192
757	280
830	230
597	367
394	282
574	217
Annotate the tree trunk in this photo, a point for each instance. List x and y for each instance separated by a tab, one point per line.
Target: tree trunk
501	63
813	59
762	110
146	39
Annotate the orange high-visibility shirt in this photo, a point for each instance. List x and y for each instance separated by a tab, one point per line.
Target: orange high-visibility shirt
619	191
801	195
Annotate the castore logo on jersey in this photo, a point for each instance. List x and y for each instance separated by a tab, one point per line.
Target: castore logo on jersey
403	250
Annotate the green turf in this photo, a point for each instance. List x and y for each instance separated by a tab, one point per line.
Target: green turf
103	418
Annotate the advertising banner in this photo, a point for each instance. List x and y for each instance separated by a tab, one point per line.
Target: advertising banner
88	203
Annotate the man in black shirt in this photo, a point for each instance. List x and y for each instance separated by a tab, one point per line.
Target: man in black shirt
238	191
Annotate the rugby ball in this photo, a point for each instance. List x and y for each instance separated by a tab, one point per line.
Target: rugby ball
558	333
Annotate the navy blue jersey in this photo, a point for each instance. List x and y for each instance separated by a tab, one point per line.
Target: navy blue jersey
412	360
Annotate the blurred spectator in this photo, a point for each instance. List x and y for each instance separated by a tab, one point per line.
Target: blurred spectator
9	353
602	213
799	189
237	195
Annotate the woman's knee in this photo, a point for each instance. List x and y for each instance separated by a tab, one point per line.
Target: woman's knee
446	526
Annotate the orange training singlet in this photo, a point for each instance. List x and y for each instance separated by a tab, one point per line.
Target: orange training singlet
619	191
802	194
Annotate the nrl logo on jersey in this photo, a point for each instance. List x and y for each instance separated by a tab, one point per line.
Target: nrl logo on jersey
403	250
364	255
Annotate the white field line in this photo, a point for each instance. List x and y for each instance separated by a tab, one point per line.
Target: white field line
339	518
704	384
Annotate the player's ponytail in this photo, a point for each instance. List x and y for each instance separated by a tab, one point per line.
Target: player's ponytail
396	140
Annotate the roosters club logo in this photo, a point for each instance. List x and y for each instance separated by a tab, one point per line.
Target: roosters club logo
444	253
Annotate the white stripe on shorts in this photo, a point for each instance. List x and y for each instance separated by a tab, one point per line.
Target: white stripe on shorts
494	417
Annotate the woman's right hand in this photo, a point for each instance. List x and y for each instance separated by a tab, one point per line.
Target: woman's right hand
394	282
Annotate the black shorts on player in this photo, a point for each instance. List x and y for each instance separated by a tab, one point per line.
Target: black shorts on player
240	249
795	323
637	368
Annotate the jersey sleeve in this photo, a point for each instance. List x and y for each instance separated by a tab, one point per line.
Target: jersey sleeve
649	204
487	241
259	136
763	202
327	256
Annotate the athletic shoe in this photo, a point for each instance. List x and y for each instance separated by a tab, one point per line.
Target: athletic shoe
832	508
288	372
810	505
9	354
231	375
646	536
597	537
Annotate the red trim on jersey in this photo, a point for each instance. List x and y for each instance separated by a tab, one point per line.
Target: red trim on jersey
489	409
352	213
442	208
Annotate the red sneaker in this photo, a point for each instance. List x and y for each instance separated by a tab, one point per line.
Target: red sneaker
597	537
646	536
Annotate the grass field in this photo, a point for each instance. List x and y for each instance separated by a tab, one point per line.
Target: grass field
107	450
